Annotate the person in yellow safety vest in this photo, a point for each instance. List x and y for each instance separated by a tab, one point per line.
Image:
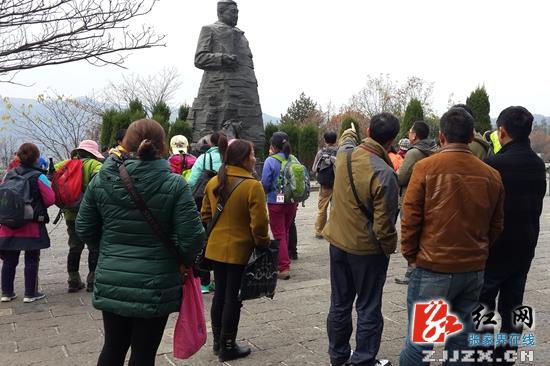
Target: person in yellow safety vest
495	142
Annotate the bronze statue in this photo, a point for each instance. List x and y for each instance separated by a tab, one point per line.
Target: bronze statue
228	94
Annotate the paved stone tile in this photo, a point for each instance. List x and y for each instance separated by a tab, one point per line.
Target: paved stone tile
290	329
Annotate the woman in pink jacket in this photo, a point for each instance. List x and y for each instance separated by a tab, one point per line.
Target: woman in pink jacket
32	236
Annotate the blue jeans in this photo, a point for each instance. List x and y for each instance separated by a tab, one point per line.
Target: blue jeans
460	290
350	276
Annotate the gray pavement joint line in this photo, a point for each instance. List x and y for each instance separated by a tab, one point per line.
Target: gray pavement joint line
169	360
391	320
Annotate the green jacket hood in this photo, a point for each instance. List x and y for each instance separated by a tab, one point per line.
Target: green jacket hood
427	145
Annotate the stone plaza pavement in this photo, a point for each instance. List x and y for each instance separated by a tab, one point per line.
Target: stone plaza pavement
64	329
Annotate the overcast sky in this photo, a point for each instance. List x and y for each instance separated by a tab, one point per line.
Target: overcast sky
327	48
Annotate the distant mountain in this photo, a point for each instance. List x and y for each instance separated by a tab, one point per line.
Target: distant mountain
539	118
267	118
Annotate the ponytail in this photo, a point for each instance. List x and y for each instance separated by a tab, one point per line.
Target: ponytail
234	154
222	146
287	149
147	150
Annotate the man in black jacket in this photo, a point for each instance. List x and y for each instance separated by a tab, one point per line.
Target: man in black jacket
524	178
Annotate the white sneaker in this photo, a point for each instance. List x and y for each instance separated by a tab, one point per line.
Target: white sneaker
37	296
383	363
8	298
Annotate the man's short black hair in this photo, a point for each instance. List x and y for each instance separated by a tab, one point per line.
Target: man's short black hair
517	121
384	127
465	107
457	125
119	136
330	137
421	129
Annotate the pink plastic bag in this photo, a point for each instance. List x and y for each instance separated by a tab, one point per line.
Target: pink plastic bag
190	331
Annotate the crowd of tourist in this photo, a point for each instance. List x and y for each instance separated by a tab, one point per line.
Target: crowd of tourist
469	206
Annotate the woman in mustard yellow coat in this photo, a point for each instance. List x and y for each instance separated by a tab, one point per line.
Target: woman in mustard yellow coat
242	225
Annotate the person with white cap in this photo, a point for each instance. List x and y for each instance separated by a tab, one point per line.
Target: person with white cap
181	162
88	153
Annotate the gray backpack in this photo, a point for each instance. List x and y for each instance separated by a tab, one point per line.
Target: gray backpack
16	207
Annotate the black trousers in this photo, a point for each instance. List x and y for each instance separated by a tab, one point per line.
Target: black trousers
292	240
121	333
509	285
226	307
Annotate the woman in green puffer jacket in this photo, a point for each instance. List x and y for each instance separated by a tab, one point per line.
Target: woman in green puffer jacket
138	282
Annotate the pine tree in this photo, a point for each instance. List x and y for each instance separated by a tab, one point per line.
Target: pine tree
413	113
308	145
114	120
478	101
183	112
299	110
161	113
180	127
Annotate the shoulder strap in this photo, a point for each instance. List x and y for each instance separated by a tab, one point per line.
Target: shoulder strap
211	165
278	158
147	214
363	208
368	213
220	204
280	178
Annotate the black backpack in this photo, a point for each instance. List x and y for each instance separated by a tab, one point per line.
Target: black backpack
325	168
200	186
17	206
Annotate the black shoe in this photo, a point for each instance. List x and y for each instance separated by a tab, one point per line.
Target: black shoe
230	350
402	281
75	287
342	363
293	256
74	282
90	287
216	332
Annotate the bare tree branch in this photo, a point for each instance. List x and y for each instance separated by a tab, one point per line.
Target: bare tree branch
382	94
56	124
40	33
149	89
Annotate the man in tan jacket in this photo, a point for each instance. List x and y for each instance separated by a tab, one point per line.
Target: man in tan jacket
452	213
361	230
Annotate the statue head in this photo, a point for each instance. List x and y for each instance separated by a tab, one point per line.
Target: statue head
228	12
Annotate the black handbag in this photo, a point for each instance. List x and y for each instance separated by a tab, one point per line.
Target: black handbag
260	274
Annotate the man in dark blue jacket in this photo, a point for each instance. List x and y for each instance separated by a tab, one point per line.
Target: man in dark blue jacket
524	178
